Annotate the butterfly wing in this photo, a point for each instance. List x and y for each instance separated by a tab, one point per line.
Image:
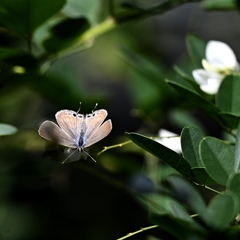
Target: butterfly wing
52	132
100	133
70	122
93	121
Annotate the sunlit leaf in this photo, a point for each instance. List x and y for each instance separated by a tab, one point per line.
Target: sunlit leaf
217	158
88	9
6	129
162	152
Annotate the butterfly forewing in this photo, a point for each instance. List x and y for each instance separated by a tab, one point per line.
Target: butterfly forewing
93	122
70	122
52	132
100	133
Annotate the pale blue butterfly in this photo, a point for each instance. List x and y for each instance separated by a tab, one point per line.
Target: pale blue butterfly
75	130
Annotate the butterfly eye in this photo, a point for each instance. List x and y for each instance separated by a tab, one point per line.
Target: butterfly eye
74	114
80	116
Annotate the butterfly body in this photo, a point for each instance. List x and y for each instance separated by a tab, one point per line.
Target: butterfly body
76	130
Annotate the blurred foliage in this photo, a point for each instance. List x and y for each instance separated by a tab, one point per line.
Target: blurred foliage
135	59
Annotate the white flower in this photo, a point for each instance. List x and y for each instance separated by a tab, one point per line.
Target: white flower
220	61
169	140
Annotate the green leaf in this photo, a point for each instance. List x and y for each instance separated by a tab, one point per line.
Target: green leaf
228	98
178	228
184	74
162	152
230	120
219	4
196	98
201	176
17	58
6	129
196	49
237	150
186	193
217	158
190	140
65	34
233	185
221	211
185	80
6	52
24	16
89	9
180	212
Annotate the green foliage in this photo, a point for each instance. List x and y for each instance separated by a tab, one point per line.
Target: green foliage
217	158
24	16
196	50
221	211
162	152
190	140
227	98
219	4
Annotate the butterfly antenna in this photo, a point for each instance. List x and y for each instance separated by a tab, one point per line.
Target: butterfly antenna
94	107
69	156
89	155
80	103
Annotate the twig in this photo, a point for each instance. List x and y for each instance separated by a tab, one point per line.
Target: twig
134	233
114	146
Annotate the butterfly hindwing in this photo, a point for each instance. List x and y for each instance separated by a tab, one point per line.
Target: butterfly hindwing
93	122
52	132
100	133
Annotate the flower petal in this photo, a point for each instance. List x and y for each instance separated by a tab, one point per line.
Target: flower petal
201	76
170	140
220	55
209	81
212	86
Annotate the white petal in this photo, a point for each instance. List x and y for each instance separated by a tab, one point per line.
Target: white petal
220	55
170	140
209	81
212	86
201	76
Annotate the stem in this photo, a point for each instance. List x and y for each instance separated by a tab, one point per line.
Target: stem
114	146
134	233
209	188
88	37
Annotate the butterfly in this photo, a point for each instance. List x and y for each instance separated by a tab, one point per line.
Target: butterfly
75	130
